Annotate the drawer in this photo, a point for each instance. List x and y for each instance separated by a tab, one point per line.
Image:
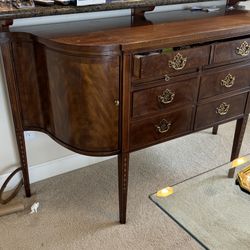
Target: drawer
215	83
217	111
160	128
178	62
226	52
165	97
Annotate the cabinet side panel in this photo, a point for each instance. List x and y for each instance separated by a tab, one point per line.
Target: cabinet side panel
28	83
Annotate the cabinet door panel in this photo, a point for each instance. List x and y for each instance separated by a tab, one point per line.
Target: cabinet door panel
82	93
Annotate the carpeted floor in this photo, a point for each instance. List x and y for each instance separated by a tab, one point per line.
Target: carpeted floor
79	210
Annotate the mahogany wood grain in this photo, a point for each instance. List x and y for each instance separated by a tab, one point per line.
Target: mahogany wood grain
147	101
65	95
187	32
226	52
212	85
82	112
207	113
155	65
28	83
145	132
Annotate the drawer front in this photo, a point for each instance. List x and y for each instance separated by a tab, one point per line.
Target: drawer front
178	62
217	111
224	81
160	128
227	52
165	97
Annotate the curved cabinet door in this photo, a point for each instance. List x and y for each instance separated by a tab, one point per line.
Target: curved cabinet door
69	95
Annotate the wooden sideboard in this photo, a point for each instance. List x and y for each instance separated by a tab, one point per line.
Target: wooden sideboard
114	91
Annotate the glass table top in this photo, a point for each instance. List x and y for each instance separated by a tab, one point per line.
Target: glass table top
212	209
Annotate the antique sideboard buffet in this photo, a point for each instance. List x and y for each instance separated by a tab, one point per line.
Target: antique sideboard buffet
118	89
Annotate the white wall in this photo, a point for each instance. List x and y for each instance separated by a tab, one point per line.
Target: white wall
45	157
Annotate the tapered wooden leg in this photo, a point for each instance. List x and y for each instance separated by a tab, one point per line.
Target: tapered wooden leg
6	50
215	129
123	167
238	138
23	160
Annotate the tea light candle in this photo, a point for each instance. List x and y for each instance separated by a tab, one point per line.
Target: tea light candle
165	192
239	161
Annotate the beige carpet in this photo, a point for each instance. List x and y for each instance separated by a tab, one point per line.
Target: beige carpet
79	210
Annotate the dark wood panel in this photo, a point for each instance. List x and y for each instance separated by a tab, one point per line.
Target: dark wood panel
223	109
159	128
177	62
225	80
164	98
24	55
235	23
65	93
235	50
82	111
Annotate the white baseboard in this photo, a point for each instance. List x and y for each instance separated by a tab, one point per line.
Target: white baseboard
52	168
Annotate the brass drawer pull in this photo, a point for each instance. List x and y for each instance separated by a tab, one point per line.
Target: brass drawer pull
244	49
166	97
228	82
163	127
178	63
223	108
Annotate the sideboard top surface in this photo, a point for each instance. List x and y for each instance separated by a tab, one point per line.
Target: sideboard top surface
13	13
165	34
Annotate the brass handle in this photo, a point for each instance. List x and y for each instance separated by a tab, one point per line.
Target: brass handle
166	97
163	126
178	62
228	81
223	108
244	49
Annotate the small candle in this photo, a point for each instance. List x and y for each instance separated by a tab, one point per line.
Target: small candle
239	161
165	192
